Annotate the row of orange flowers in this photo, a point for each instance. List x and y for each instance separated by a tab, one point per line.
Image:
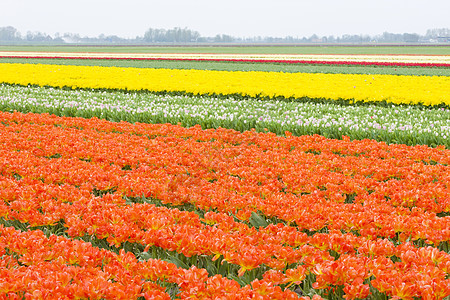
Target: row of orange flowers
239	244
36	267
418	268
40	175
250	177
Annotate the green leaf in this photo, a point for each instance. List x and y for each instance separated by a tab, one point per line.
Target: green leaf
178	262
237	279
145	256
258	221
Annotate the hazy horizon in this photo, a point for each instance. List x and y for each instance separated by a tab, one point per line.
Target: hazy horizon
250	18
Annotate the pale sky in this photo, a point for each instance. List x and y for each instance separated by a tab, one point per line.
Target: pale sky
239	18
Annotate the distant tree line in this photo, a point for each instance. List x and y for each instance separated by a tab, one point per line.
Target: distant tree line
10	35
175	35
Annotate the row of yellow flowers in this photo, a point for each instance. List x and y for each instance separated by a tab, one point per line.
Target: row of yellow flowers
429	90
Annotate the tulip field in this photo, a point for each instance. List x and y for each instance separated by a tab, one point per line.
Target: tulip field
224	175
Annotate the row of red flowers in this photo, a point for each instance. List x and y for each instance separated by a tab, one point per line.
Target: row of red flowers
159	155
278	61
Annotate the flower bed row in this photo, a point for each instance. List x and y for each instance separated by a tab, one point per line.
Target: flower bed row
426	90
51	167
386	178
370	60
34	266
399	124
238	66
305	62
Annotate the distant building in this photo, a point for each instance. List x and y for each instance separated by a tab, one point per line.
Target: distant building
443	39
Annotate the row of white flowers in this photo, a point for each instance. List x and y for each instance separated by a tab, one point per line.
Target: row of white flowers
393	124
